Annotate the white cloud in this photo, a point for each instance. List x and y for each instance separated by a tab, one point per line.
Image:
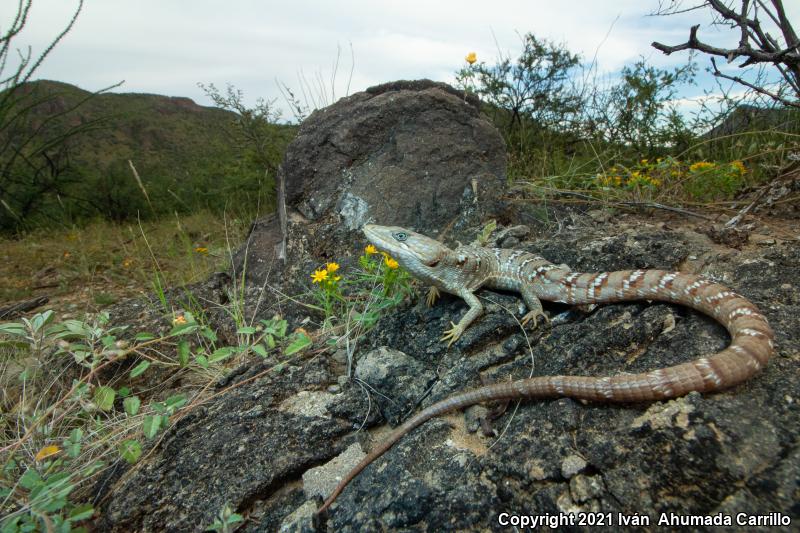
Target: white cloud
167	47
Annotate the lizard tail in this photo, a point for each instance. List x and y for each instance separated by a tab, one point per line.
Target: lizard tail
750	349
458	401
752	340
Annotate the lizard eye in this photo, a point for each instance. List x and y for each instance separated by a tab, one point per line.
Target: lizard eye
401	236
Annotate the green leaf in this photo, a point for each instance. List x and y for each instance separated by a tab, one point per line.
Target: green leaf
300	342
139	369
202	361
220	354
246	330
144	336
30	479
73	444
104	397
280	328
270	341
209	334
259	349
122	392
132	404
183	329
183	352
81	512
175	402
130	450
13	328
151	425
108	341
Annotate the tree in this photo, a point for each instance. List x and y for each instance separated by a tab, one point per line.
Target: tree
640	111
35	166
256	126
756	23
536	88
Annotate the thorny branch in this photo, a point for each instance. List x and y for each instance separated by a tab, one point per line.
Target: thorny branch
756	45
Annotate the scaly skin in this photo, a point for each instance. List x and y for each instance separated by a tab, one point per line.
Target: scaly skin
466	269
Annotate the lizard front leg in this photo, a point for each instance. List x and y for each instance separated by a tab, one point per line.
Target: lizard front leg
475	310
534	306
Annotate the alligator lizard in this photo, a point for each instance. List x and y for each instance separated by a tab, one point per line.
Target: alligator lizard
466	269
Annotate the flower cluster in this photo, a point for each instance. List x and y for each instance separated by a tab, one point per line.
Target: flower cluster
379	270
645	174
702	166
326	276
702	180
707	180
371	250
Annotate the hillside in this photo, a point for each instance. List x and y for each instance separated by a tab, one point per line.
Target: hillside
188	156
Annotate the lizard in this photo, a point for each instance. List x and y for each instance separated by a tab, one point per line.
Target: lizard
467	268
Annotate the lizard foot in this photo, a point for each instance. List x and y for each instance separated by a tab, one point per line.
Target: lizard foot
433	294
534	315
452	334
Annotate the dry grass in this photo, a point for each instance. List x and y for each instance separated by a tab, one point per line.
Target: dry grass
86	269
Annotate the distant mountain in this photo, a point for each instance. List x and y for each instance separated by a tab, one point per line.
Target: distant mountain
751	118
187	155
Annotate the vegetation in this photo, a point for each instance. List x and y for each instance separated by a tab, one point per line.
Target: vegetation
629	140
144	156
77	399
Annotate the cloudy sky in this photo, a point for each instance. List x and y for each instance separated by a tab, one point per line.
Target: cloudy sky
167	47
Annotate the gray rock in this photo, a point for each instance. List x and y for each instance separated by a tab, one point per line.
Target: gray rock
571	465
399	381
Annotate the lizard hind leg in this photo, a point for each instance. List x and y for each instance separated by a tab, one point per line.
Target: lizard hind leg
433	294
535	309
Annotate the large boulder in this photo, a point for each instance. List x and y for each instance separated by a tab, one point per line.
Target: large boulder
418	154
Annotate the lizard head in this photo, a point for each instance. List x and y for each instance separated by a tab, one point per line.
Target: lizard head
413	251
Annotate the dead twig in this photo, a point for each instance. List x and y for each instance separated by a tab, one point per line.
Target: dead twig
14	310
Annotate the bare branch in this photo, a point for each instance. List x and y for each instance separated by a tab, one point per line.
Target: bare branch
756	88
755	45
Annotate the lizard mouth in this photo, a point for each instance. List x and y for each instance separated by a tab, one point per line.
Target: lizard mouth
381	237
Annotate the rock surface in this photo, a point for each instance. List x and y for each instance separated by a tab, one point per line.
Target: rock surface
269	443
733	451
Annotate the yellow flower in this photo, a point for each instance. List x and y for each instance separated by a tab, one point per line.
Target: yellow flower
370	249
644	161
738	165
332	267
127	262
391	263
319	275
201	250
66	255
179	320
471	58
701	165
47	451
